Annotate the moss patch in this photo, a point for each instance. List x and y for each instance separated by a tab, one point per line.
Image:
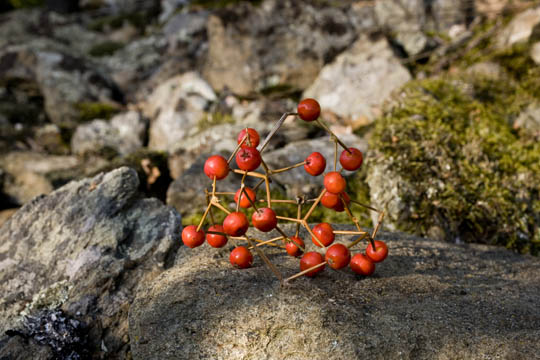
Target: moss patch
212	119
105	48
469	172
95	110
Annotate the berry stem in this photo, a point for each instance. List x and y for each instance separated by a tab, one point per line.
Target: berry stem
276	127
306	225
267	261
286	237
221	207
279	201
360	238
327	129
348	232
289	219
246	195
335	152
268	242
237	148
300	201
305	271
203	217
258	184
312	208
277	171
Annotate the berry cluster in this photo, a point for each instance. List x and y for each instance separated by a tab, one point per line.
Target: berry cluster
248	159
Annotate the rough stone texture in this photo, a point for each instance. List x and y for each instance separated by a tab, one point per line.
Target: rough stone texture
529	120
302	38
124	134
535	52
362	77
427	300
519	29
404	20
175	107
27	174
85	248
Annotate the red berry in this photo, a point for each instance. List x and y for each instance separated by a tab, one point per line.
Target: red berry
293	247
191	237
244	200
216	240
315	164
235	224
252	140
309	109
241	257
324	233
338	256
362	265
216	166
334	182
248	158
351	161
264	219
339	207
309	260
379	254
330	200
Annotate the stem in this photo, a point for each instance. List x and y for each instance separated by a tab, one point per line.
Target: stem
327	129
313	235
276	127
204	217
258	184
305	271
289	219
237	148
312	208
348	232
277	171
221	207
268	262
335	152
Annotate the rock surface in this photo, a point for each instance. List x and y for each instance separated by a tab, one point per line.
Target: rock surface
519	29
85	248
362	77
427	300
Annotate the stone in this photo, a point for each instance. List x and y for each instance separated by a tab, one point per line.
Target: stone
124	134
362	77
30	174
49	138
519	29
5	215
183	27
404	19
83	249
428	299
175	107
535	52
302	38
487	69
529	120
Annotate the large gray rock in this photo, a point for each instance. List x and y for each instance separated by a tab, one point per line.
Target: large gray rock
124	134
519	29
302	38
84	249
529	120
360	79
427	300
175	107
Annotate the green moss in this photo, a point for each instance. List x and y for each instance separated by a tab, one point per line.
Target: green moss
25	3
212	119
105	48
282	91
95	110
469	172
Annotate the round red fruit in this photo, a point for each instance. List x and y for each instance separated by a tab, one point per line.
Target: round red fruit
248	158
324	233
235	224
309	260
244	200
252	139
379	254
294	247
351	160
362	265
216	166
334	182
309	109
241	257
339	207
216	240
264	219
315	164
338	256
191	237
330	200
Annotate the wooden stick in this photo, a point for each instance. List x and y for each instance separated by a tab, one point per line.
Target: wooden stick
313	235
305	271
269	241
221	207
237	148
335	152
250	200
348	232
250	173
268	195
279	201
360	238
258	184
366	206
